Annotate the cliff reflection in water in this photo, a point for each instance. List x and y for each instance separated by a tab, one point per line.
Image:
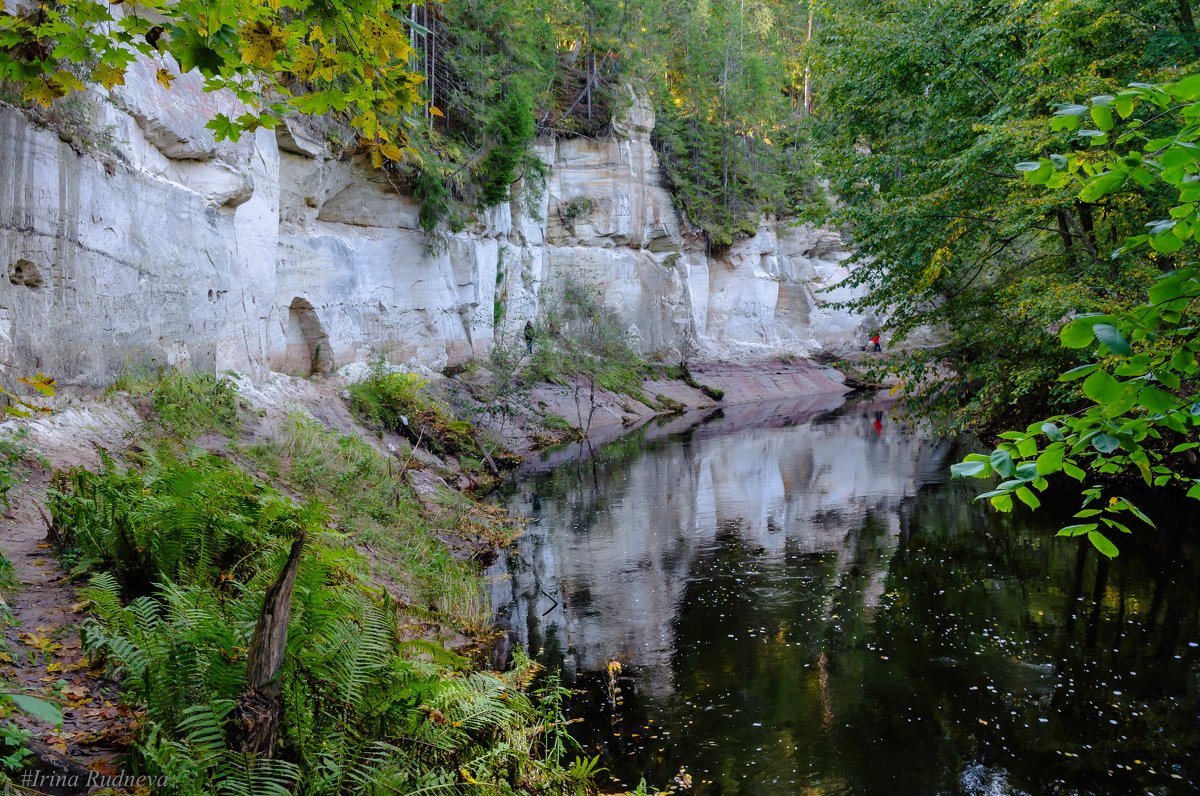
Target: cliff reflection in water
614	540
801	603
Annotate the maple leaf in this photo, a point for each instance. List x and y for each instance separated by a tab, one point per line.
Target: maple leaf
164	77
40	642
44	92
260	43
305	62
392	152
224	128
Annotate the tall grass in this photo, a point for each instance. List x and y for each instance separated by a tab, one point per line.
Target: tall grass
183	404
373	506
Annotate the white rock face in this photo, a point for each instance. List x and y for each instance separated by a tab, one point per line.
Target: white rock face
613	223
161	245
605	566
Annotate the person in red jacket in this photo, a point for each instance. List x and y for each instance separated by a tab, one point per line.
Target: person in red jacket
875	341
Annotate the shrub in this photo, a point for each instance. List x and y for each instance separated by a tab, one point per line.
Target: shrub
581	337
398	402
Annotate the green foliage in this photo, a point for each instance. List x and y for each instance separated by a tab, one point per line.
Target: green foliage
1137	399
668	404
557	423
14	754
722	77
372	504
400	402
579	339
12	452
510	131
184	404
278	58
449	96
728	110
920	107
363	709
106	522
578	207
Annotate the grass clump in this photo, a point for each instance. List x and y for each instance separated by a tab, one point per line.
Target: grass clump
184	404
13	451
557	423
684	374
373	505
399	402
182	549
668	404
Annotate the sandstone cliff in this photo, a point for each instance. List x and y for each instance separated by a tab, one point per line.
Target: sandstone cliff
129	235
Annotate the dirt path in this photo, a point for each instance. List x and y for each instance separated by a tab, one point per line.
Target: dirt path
43	653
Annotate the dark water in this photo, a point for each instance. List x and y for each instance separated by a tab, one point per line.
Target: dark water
800	603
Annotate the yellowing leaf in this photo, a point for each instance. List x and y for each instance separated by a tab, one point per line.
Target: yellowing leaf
164	78
43	92
392	152
109	76
435	111
305	62
261	42
39	642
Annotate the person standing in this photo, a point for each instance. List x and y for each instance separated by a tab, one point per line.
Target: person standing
875	342
529	337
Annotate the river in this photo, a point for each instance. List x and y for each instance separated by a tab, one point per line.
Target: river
794	599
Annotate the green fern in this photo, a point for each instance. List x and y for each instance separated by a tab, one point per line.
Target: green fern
183	548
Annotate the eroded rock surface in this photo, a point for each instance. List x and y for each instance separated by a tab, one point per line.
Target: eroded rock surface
131	236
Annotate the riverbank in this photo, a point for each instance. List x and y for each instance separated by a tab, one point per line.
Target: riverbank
400	507
177	495
543	415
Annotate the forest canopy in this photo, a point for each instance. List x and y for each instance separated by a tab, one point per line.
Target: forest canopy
1020	183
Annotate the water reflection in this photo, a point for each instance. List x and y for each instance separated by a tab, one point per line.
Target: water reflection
800	604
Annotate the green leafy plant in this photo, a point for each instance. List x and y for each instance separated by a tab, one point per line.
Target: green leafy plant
183	404
363	708
1138	408
277	58
400	402
580	340
918	110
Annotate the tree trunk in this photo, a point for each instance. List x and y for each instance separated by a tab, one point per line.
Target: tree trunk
807	73
260	709
1064	232
1187	23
